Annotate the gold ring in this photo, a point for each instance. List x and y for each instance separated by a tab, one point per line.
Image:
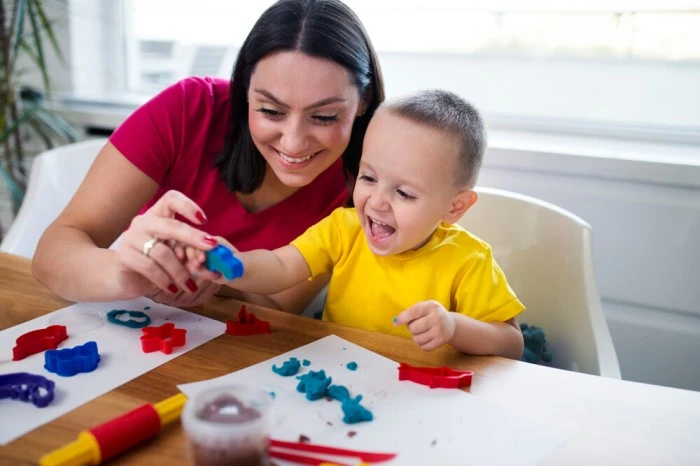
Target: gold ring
148	245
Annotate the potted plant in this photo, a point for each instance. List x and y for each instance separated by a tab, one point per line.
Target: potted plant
26	35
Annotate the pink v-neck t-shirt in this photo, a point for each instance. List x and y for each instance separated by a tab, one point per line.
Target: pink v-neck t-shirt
175	137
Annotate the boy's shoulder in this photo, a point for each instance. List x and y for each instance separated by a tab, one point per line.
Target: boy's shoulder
457	236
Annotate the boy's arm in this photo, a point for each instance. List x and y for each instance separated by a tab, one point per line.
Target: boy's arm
487	338
433	326
269	272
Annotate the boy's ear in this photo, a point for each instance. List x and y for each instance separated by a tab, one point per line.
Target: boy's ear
460	204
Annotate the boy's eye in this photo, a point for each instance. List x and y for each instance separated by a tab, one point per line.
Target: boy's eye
404	195
367	178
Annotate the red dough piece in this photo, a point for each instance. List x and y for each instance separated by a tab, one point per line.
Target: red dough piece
435	377
163	338
37	341
247	324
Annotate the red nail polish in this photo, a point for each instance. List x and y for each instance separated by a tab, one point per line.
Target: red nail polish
200	216
173	289
191	285
211	240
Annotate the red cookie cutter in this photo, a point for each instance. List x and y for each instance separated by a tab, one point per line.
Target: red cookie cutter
435	377
163	338
37	341
247	324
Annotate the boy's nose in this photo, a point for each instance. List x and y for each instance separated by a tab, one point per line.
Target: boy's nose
378	201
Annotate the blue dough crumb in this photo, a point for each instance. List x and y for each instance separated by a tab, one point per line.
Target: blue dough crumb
306	362
352	365
354	412
70	361
338	392
273	395
290	367
314	384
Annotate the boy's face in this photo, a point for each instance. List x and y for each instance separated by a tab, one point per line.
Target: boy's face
406	183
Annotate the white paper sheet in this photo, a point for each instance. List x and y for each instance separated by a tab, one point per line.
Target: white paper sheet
121	357
424	426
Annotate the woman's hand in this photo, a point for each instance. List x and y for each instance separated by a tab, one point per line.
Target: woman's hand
145	249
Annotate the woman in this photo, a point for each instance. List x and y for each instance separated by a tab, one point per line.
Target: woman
256	161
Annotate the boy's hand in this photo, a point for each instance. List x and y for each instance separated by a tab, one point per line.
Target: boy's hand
195	260
430	324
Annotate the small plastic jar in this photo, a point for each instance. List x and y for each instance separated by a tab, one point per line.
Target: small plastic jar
229	425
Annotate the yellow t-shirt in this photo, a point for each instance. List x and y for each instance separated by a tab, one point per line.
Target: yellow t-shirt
367	291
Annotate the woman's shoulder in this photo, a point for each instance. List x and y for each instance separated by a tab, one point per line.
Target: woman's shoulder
212	85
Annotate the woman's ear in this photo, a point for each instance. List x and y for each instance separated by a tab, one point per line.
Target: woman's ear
460	204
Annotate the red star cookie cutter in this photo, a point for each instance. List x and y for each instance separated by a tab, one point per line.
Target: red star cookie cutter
247	324
435	377
163	338
37	341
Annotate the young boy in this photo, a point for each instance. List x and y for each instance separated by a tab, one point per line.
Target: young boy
398	262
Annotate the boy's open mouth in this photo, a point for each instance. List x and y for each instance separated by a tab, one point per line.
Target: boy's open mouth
379	230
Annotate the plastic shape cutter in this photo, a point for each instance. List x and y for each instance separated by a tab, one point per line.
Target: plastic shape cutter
247	324
136	319
435	377
221	259
163	338
70	361
27	387
37	341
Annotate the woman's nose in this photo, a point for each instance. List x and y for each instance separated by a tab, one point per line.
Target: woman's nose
294	140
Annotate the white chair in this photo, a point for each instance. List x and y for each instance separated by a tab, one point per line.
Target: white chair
546	254
54	177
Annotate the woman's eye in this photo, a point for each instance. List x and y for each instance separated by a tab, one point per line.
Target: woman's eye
326	119
268	112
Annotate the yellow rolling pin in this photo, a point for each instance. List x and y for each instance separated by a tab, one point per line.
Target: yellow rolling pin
117	435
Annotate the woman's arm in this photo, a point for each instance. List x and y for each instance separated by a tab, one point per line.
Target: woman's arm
72	258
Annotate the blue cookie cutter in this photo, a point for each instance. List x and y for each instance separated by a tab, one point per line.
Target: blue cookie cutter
113	316
27	387
221	259
70	361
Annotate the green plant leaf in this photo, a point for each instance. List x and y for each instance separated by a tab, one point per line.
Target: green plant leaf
48	29
39	44
18	27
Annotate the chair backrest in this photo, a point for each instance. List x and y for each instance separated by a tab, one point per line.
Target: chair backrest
54	177
546	254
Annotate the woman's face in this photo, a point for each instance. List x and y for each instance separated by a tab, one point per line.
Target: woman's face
301	111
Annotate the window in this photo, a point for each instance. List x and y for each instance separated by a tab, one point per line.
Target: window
616	66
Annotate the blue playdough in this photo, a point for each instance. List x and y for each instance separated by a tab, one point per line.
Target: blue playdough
354	412
352	365
314	384
221	259
70	361
338	392
306	362
288	368
27	387
137	319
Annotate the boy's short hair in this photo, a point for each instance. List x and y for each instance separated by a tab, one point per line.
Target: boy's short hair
448	112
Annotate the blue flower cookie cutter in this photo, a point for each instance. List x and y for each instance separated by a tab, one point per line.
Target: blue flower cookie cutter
70	361
221	259
27	387
137	319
